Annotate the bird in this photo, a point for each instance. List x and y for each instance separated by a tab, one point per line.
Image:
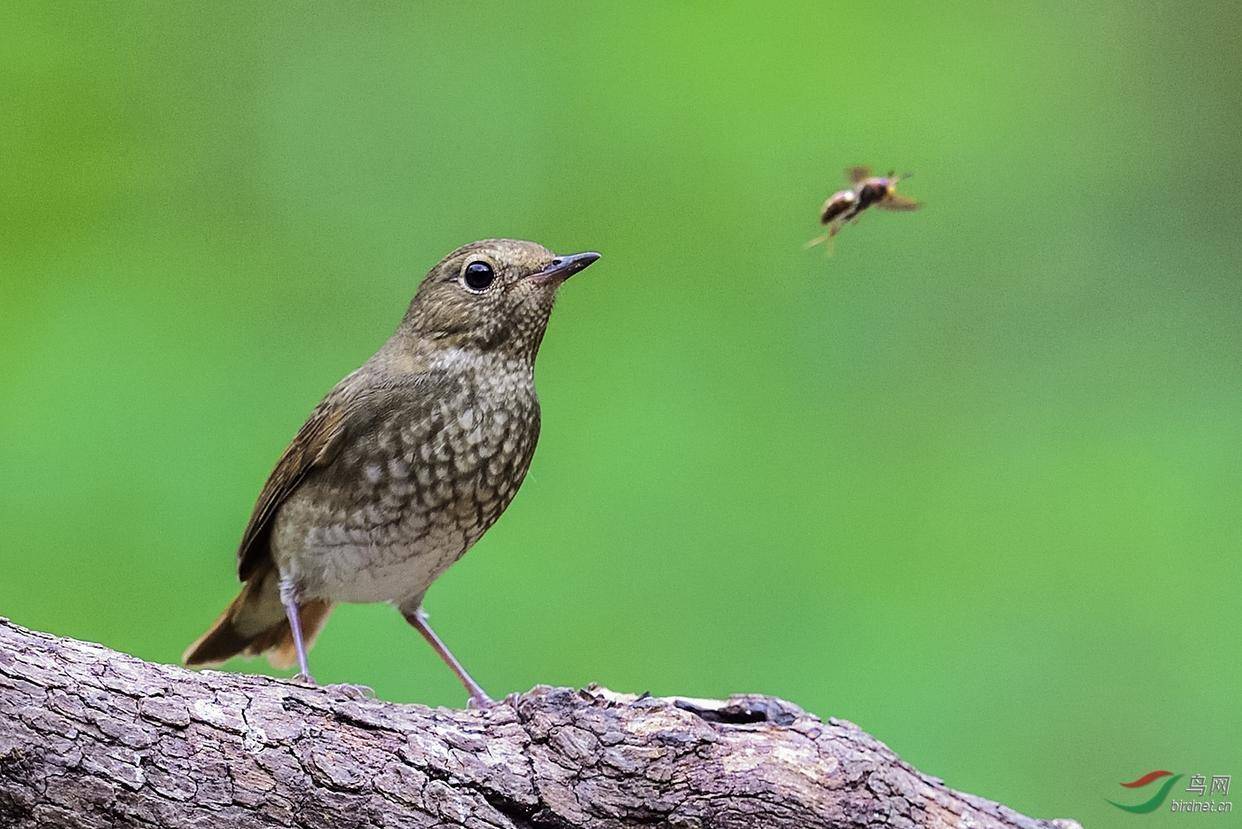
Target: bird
404	464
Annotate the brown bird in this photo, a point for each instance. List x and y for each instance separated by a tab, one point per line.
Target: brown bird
404	464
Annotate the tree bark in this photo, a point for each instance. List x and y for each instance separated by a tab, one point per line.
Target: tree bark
94	738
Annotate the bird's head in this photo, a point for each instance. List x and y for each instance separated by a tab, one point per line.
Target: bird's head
492	296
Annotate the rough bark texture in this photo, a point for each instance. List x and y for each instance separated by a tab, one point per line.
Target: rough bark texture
93	738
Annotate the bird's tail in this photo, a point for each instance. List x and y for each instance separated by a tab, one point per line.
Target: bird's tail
255	623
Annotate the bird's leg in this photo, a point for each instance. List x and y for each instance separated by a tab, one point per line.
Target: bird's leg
417	618
289	599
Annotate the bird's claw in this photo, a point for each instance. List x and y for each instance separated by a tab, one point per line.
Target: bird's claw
347	690
480	702
343	690
484	702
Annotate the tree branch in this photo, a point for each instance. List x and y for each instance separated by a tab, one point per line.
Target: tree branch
93	738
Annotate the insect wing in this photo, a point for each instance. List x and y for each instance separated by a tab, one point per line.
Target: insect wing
896	201
857	174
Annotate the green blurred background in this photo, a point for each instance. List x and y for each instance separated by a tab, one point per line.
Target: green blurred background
972	482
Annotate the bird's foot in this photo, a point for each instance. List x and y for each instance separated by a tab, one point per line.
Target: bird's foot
482	702
347	690
343	690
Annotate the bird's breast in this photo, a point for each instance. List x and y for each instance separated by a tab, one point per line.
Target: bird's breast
411	495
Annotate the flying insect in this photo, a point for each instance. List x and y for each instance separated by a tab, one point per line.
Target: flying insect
866	190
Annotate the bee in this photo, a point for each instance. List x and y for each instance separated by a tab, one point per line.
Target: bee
846	206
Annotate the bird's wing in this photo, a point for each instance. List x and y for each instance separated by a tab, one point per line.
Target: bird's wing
896	201
857	174
315	444
346	414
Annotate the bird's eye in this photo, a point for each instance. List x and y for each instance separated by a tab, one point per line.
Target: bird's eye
478	276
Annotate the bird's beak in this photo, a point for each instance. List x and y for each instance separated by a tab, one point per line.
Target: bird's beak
563	267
